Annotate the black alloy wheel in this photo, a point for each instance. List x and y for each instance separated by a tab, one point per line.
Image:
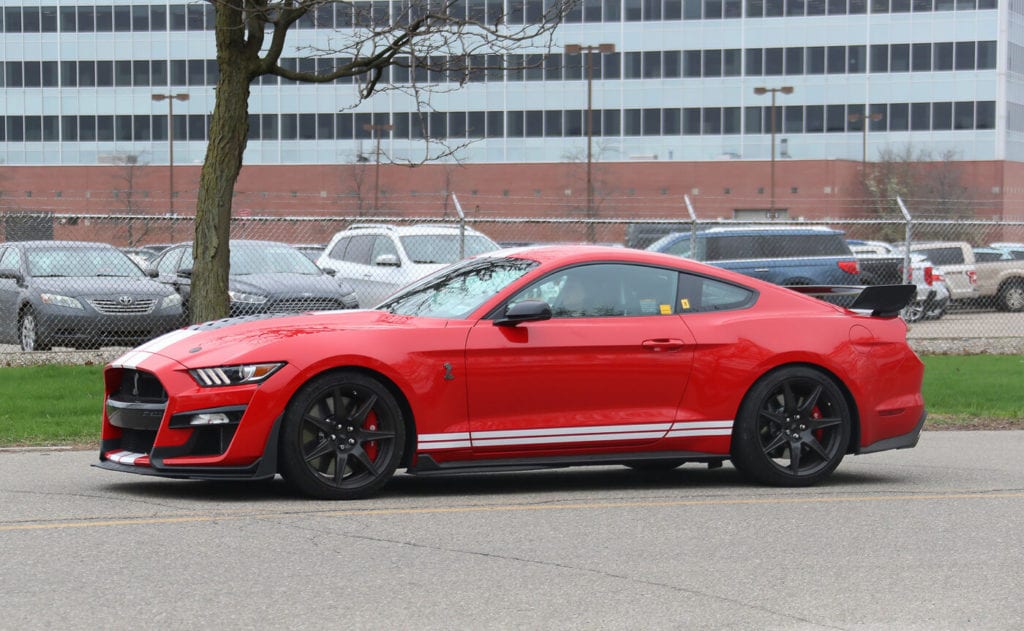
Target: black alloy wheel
792	429
342	438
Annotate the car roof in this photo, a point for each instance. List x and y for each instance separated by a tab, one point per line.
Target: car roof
39	245
417	229
760	229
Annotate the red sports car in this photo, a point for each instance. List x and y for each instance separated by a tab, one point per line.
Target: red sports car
529	358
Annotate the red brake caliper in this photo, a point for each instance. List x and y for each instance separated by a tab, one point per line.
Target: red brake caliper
370	424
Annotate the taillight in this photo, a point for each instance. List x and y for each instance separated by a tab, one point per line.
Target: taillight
850	267
973	277
929	275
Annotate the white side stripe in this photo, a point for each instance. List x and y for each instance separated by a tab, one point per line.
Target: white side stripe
564	435
597	429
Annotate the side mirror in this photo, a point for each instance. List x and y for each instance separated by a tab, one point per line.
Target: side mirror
150	271
525	311
387	260
12	274
330	271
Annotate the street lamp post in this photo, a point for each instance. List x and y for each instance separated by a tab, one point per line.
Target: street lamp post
786	89
375	131
853	118
577	49
170	98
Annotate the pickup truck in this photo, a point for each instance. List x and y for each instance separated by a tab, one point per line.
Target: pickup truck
988	277
1000	279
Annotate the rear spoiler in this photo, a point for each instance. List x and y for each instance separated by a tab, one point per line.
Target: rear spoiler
883	301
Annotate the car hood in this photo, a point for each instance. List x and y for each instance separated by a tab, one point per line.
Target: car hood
287	285
267	337
76	286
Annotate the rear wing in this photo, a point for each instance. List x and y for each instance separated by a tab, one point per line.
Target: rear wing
883	301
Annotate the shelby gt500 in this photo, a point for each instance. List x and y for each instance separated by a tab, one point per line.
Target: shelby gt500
527	358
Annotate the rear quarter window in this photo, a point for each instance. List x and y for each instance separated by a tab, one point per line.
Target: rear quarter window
944	256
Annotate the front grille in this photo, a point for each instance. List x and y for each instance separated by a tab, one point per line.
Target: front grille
140	386
294	305
124	305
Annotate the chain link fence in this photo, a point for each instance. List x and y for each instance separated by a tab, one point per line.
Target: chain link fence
92	282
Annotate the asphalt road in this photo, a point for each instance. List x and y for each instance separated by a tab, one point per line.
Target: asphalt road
930	538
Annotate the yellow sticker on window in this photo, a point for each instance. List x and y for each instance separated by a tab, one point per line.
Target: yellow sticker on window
665	309
685	303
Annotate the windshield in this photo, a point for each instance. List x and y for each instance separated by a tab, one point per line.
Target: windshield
81	262
457	291
444	248
270	259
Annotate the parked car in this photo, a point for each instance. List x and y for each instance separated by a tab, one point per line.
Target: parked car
264	277
378	259
954	260
1000	279
79	294
783	255
485	366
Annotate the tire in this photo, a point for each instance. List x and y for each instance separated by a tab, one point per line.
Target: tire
792	429
936	311
914	312
343	455
1011	296
29	335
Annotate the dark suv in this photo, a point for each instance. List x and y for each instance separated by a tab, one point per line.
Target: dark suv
784	255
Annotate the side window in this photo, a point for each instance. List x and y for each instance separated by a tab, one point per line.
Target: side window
9	259
945	256
383	246
359	248
679	247
605	290
338	251
700	293
169	262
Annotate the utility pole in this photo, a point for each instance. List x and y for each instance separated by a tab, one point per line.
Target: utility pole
786	89
576	49
170	98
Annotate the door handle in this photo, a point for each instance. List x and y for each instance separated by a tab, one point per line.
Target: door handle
663	345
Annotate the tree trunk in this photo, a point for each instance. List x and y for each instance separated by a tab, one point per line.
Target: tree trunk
229	128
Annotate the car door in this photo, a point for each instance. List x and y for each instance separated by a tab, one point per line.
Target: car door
607	371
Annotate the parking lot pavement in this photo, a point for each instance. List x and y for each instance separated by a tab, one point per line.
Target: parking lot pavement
926	538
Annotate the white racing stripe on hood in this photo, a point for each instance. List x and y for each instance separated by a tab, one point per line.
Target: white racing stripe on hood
134	357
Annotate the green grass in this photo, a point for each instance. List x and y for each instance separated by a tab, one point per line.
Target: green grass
962	387
48	405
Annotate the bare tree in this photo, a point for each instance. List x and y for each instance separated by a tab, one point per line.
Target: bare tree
126	177
932	187
251	36
576	179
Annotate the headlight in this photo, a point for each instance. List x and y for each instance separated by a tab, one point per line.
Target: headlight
170	301
60	301
252	299
233	375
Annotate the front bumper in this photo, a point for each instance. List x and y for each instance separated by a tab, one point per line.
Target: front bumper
158	421
73	328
